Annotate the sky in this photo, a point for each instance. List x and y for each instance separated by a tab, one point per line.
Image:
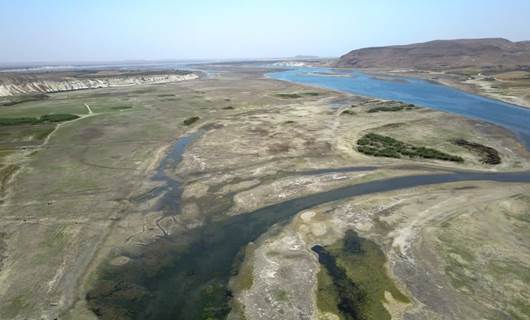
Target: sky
113	30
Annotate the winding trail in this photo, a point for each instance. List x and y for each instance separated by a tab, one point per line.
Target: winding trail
88	108
58	126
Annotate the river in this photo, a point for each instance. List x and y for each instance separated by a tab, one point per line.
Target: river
415	91
185	276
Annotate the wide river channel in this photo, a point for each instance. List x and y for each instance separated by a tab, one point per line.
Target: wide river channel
416	91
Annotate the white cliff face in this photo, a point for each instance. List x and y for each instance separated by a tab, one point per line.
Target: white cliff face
290	64
50	86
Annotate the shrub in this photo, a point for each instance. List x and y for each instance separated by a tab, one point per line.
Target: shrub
392	108
374	144
58	117
488	155
191	120
288	95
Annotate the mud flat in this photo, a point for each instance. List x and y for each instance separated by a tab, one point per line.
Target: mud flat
400	223
190	271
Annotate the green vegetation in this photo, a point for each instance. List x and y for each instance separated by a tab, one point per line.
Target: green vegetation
11	101
355	279
213	305
458	258
47	118
348	112
327	297
15	305
121	107
374	144
392	108
190	120
58	117
488	155
472	270
25	135
242	270
18	121
288	95
297	95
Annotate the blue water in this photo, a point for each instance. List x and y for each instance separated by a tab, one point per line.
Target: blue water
416	91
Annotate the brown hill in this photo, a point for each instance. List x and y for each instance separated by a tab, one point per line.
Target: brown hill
495	53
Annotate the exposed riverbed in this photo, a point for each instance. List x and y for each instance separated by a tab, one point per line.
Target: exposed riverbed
185	276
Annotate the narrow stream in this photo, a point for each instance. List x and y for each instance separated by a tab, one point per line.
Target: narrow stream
170	191
185	276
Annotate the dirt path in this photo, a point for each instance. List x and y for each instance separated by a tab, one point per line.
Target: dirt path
83	116
45	143
88	108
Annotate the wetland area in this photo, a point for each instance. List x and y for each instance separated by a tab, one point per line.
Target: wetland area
233	194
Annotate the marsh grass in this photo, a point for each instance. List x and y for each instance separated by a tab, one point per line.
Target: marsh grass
11	101
47	118
355	279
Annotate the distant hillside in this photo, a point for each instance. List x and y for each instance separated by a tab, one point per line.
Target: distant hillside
495	53
24	83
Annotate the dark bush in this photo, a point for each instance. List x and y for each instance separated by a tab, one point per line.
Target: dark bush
392	108
191	120
17	121
487	154
374	144
59	117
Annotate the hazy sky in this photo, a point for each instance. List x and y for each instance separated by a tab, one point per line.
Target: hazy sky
95	30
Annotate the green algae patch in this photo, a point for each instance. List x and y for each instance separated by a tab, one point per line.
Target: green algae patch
354	279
